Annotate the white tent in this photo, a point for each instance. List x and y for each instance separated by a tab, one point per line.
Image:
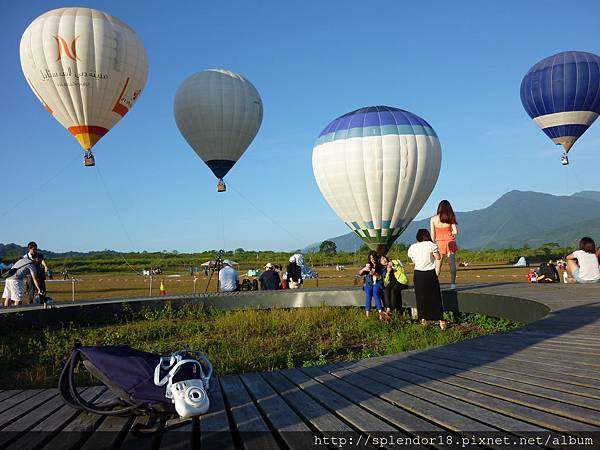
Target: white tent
212	263
522	262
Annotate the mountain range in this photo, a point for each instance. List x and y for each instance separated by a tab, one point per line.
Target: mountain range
516	219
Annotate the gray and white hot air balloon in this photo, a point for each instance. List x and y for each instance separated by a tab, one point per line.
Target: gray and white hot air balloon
218	112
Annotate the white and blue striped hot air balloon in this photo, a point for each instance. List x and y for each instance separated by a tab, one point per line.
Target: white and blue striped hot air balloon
561	94
376	167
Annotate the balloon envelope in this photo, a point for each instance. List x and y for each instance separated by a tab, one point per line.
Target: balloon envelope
561	94
376	167
86	67
218	113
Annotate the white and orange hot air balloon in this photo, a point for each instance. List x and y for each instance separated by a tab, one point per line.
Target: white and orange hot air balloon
86	67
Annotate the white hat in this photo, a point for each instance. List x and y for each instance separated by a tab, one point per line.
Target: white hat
226	262
268	266
292	258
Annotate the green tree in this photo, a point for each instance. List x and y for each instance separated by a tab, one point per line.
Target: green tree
548	248
364	249
328	248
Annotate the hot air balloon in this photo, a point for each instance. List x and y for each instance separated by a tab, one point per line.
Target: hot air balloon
376	167
218	113
561	94
86	67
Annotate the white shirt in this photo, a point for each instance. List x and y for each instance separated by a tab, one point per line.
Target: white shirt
588	265
421	254
228	279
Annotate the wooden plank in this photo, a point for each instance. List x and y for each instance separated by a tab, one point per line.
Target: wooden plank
137	441
108	435
542	365
341	406
508	346
6	394
306	407
290	427
559	396
22	425
524	378
79	428
558	340
556	363
18	398
575	347
540	371
535	409
547	334
21	408
215	432
528	420
251	428
361	395
52	424
178	434
447	408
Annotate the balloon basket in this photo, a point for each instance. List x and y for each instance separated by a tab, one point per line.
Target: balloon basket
221	186
88	159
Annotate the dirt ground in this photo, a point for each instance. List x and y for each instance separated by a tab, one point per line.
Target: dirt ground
130	284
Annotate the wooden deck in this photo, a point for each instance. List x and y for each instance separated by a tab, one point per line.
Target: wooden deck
528	388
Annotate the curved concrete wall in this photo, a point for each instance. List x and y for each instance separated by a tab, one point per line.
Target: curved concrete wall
104	311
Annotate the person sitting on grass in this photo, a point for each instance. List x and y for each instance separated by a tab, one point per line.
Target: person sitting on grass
373	287
269	279
394	280
228	277
582	264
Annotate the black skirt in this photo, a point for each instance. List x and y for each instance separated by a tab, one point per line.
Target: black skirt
392	297
428	295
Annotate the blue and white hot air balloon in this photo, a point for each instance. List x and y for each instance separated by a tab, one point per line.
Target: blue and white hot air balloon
561	94
376	167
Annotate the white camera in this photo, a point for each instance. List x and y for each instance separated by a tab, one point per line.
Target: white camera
190	398
189	395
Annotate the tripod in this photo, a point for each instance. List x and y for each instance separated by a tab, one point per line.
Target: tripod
215	268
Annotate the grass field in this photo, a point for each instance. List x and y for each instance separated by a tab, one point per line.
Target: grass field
238	341
131	284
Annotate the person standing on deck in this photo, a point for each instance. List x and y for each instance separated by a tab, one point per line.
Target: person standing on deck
424	253
443	232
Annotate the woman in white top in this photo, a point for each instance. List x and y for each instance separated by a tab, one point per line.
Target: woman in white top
582	264
424	253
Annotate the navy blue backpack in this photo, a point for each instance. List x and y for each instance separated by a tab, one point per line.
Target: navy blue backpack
128	373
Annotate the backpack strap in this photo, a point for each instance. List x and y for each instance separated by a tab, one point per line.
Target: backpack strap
13	270
68	391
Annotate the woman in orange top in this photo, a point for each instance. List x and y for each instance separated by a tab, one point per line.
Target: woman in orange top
443	232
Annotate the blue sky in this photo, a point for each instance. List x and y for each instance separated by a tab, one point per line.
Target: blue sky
458	65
